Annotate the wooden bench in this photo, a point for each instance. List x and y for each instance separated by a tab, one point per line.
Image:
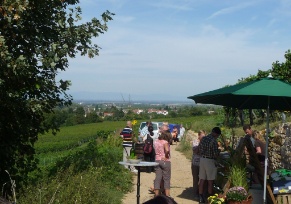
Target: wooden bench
283	199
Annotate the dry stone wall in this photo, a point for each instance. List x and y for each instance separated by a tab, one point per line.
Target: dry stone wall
280	147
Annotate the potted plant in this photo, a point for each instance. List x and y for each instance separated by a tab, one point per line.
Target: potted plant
237	176
132	158
216	199
238	195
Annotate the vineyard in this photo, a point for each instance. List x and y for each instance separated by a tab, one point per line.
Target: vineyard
50	147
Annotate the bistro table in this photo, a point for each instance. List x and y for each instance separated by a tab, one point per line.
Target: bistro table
138	165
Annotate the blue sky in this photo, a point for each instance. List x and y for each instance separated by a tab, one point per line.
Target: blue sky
172	49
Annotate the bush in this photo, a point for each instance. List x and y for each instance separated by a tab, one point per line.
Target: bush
89	175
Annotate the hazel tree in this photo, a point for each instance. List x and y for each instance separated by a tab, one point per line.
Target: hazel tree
37	37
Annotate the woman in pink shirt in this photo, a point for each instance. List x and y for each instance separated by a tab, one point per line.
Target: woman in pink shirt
163	170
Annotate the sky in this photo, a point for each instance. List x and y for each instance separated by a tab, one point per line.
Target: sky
172	49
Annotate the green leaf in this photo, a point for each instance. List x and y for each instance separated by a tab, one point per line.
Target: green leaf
21	57
53	64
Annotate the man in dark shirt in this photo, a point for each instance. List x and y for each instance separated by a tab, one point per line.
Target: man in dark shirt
249	133
209	151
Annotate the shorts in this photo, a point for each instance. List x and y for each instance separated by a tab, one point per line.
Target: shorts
207	169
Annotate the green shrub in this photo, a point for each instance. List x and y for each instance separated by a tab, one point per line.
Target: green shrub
89	175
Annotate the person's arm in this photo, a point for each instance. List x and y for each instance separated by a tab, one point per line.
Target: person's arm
215	149
200	147
167	152
121	134
195	149
258	150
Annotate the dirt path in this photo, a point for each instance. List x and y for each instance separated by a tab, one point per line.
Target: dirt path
181	182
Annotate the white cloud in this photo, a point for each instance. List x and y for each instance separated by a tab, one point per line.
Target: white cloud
231	9
183	58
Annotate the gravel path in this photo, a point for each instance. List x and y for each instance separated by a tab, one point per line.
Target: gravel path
181	182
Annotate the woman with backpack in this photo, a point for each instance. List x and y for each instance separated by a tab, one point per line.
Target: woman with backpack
148	149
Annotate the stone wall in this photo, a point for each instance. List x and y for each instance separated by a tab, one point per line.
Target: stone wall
280	148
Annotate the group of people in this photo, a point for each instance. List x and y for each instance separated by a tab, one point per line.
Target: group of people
177	132
206	151
160	153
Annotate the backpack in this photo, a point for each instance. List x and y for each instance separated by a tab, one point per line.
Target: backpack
148	147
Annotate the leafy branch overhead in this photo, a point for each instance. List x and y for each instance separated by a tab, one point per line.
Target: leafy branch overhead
36	39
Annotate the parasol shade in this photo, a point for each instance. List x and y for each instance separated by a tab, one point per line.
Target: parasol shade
258	94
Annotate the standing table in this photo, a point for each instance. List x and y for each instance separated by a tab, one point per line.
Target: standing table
138	165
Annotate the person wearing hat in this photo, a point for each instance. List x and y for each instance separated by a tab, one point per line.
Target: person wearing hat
208	148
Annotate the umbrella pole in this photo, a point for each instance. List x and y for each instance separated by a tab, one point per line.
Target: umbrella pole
266	153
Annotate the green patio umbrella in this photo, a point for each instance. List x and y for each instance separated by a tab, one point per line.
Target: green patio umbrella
266	93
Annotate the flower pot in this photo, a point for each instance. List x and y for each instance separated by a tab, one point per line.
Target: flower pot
247	201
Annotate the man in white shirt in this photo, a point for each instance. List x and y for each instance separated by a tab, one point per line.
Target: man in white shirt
182	131
144	132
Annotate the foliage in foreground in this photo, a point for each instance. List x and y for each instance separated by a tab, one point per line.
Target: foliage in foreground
37	38
91	175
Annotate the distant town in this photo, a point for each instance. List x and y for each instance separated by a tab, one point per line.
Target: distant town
119	109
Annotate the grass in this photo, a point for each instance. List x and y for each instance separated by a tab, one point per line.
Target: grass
84	173
237	175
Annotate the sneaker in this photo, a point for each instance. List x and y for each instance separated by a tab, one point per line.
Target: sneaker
201	199
196	197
